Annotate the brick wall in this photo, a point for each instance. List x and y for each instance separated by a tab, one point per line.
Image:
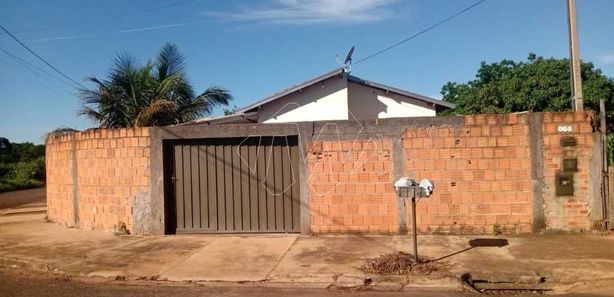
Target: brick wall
112	169
489	170
59	183
482	174
350	188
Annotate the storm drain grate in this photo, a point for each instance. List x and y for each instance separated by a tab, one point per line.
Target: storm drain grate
522	284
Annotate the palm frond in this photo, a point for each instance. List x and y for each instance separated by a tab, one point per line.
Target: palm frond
90	113
169	62
203	104
123	65
215	96
156	93
166	88
92	96
159	113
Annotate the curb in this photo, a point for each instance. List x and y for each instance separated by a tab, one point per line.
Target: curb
385	283
339	282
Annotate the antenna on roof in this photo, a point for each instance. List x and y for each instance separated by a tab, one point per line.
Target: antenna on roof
347	62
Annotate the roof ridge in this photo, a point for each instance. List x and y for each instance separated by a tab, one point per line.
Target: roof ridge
349	77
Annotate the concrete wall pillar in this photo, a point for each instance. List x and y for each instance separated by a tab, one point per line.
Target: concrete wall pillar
536	147
75	181
398	170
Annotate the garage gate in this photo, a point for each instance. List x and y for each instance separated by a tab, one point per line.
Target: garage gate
235	185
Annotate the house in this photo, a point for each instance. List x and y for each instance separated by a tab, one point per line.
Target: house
335	95
280	166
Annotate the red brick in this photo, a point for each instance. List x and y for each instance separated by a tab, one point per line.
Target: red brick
102	191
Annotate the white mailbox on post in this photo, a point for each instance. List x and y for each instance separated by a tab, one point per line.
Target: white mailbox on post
408	188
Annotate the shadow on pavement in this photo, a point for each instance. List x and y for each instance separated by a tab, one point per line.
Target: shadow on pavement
478	242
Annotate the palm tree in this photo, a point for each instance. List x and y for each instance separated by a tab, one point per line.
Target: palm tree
155	94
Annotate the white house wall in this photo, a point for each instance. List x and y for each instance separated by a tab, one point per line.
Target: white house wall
400	109
367	103
337	99
326	100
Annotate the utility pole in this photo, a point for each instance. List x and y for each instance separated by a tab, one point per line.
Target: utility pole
574	50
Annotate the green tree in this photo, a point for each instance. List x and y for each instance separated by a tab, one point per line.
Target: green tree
27	151
6	149
11	152
22	165
537	84
155	94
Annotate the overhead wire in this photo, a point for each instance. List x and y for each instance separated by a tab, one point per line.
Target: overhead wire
41	59
70	81
441	22
420	32
30	65
37	71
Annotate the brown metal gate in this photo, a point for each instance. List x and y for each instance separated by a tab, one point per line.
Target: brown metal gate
236	185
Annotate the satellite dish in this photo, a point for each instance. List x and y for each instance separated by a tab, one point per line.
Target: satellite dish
348	57
347	62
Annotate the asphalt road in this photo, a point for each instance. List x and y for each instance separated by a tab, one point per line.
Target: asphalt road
20	282
17	198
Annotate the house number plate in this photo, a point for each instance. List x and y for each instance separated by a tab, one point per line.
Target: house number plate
565	128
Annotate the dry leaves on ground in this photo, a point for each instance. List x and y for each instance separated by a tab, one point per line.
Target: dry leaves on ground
402	263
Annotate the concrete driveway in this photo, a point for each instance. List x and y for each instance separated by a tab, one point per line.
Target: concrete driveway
233	258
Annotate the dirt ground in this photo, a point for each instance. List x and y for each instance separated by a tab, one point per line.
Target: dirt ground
17	198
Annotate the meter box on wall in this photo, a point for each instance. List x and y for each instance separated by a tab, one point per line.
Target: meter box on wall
564	184
570	165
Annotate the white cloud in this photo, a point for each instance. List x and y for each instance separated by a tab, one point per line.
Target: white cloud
301	12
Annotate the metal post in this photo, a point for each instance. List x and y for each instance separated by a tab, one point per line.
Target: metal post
413	218
574	49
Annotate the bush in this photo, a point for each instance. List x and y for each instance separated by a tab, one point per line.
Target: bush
12	185
5	169
34	169
22	175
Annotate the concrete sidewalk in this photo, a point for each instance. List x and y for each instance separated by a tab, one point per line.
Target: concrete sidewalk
306	260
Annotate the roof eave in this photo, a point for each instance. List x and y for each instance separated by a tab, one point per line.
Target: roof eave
248	116
368	83
291	90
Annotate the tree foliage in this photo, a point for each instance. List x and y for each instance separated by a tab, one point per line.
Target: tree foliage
537	84
155	94
11	152
22	165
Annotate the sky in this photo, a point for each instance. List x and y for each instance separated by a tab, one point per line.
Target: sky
256	48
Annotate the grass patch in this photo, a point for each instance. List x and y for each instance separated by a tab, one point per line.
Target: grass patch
12	185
